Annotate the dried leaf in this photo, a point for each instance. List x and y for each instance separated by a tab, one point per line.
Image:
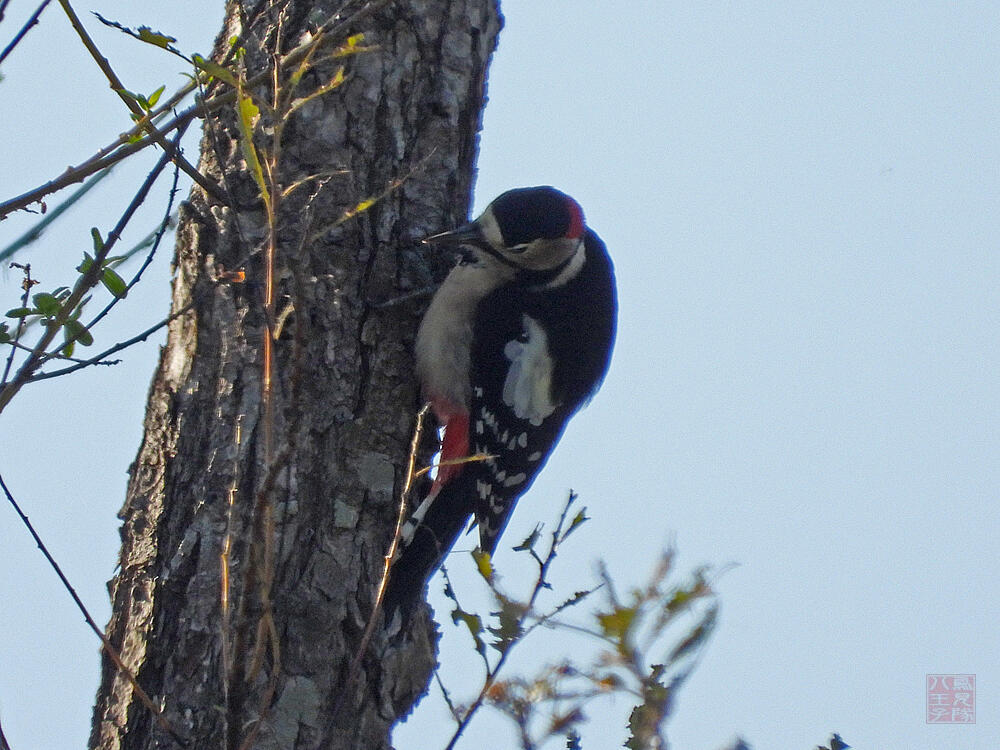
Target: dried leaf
475	625
530	541
483	564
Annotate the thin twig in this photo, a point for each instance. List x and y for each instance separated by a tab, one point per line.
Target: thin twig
166	46
447	696
35	231
79	173
24	29
60	357
164	224
96	360
540	583
26	285
259	522
261	558
108	648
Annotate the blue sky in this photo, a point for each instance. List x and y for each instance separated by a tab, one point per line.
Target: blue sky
802	203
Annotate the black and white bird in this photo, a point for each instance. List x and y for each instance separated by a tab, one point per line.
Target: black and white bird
517	338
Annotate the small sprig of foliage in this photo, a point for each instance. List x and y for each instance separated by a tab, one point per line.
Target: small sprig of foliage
646	644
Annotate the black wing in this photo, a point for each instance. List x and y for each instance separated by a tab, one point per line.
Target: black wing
539	354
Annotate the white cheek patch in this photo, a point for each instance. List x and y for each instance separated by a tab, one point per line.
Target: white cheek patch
527	389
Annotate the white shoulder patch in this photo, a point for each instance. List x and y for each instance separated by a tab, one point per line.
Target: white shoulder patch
527	390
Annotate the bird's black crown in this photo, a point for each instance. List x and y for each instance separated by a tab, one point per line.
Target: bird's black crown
533	213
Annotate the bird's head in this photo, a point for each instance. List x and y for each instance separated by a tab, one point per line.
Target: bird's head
533	228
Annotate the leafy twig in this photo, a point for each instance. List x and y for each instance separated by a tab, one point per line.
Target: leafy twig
507	645
87	280
146	35
334	30
143	116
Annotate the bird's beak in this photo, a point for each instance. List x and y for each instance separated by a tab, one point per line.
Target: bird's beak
468	234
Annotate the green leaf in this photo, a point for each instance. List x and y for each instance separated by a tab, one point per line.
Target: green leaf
4	334
87	262
155	38
680	599
114	283
74	329
20	312
249	113
215	70
46	304
352	46
98	242
155	96
683	597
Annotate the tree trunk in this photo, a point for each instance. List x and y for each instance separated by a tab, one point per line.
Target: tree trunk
303	492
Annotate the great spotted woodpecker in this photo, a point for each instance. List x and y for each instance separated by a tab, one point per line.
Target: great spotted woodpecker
517	338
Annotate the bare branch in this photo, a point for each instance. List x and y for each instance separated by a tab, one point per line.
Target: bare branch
26	285
108	648
35	232
24	29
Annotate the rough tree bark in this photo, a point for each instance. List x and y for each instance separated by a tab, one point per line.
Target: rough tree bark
310	523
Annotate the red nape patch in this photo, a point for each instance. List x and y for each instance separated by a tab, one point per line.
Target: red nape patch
575	219
454	445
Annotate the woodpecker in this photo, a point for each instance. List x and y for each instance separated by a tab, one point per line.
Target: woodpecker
517	338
